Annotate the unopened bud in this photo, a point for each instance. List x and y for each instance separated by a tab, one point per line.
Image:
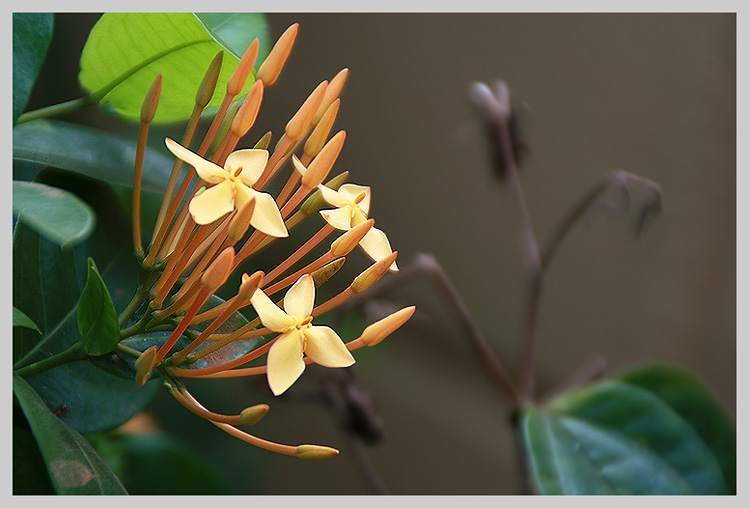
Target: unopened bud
148	109
240	222
321	165
324	273
249	284
144	365
315	202
315	452
319	135
301	120
240	74
253	414
208	85
333	92
344	244
366	279
224	126
271	69
264	141
379	330
248	112
218	271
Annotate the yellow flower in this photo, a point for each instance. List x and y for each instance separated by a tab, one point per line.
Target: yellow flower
298	336
233	187
353	205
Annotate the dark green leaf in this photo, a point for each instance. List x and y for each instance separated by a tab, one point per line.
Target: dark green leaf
29	471
697	406
73	465
47	283
89	152
158	464
97	319
21	319
54	213
129	50
614	438
32	32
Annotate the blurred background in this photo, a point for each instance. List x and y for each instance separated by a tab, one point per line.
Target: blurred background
651	94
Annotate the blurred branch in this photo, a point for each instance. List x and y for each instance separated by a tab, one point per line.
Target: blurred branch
427	265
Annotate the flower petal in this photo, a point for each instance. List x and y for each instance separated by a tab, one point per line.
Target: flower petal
213	203
351	191
207	170
331	196
325	347
285	363
251	161
300	298
376	245
266	216
340	218
270	314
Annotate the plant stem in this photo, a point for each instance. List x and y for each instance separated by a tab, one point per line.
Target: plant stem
74	353
57	109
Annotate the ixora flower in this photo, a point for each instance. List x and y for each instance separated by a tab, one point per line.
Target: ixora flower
352	204
233	187
298	336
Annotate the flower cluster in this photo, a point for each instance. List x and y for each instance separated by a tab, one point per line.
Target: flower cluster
219	217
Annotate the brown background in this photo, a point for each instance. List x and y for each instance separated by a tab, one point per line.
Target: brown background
652	94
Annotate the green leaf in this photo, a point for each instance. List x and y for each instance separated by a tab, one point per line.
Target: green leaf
32	32
158	464
126	51
86	151
54	213
97	319
73	465
237	30
47	284
697	406
615	438
21	319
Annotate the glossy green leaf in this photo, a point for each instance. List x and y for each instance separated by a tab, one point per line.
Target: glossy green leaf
29	471
697	406
97	319
237	30
73	465
158	464
47	284
54	213
615	438
125	52
21	319
86	151
32	32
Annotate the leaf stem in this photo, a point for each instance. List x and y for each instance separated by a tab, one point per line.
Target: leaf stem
58	109
74	353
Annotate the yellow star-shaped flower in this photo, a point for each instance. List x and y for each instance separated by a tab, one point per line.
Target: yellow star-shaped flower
298	336
352	204
233	187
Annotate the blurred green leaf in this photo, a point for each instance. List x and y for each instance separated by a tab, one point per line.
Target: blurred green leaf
73	465
158	464
128	50
21	319
97	319
54	213
86	151
237	30
697	406
615	438
32	32
47	283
